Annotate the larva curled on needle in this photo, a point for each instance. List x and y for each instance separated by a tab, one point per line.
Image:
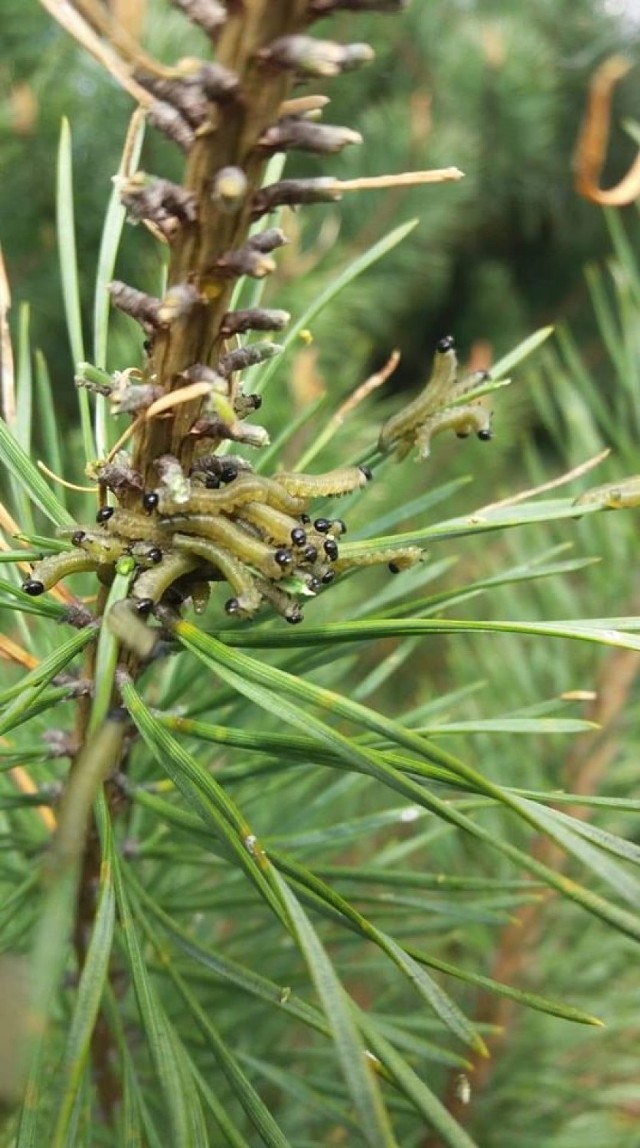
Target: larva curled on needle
405	423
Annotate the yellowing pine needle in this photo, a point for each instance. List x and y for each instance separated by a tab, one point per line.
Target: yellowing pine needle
124	437
102	21
15	653
403	179
561	480
175	398
64	482
7	374
371	384
25	784
10	527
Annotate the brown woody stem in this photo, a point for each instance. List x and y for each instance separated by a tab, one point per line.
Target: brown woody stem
232	142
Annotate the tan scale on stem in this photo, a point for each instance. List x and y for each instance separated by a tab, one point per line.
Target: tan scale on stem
238	126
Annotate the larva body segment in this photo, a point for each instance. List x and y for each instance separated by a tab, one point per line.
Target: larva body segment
239	542
136	527
402	558
334	482
249	489
146	555
272	524
618	496
233	570
103	550
402	424
468	383
474	418
52	569
153	583
285	604
281	498
435	394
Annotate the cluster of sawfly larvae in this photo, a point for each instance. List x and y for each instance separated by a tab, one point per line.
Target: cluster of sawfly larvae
225	523
213	519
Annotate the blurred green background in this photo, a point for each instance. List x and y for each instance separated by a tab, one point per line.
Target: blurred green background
496	89
499	91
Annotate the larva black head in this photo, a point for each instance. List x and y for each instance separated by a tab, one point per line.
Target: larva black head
310	553
328	576
104	514
331	549
78	538
313	583
322	525
394	568
298	536
232	606
367	472
447	343
33	587
144	606
212	482
294	615
256	401
150	500
228	472
485	435
154	554
339	526
305	520
283	557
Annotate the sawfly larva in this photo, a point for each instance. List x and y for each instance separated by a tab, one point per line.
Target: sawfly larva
435	394
274	524
203	501
239	542
438	408
333	482
622	495
399	559
51	570
105	550
153	583
278	496
137	528
285	604
232	569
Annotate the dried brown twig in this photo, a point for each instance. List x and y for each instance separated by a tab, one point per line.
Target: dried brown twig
594	135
